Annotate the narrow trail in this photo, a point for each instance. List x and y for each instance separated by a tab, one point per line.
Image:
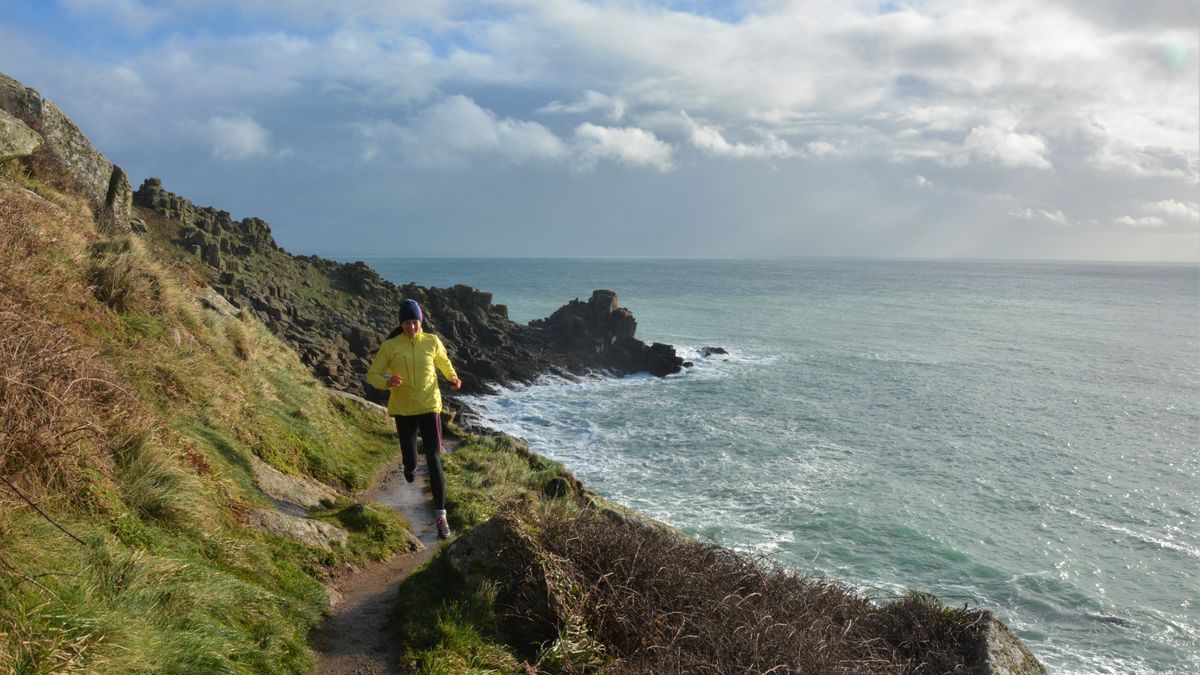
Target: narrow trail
356	639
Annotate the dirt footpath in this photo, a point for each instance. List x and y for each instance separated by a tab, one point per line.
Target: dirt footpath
356	637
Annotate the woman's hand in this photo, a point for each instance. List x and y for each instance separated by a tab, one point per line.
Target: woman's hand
456	384
395	381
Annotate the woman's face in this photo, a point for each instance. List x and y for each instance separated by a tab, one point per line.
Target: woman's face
411	328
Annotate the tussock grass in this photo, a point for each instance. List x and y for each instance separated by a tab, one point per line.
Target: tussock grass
488	473
51	378
159	487
128	415
120	277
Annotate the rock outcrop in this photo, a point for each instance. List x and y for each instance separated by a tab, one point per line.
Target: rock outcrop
336	314
16	138
1001	652
66	159
601	331
307	531
533	594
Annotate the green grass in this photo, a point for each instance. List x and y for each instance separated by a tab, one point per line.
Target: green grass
168	578
376	531
157	605
448	628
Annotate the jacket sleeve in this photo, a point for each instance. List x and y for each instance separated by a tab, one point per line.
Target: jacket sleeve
442	359
377	375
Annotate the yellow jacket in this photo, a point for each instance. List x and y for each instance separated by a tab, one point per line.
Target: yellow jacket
412	359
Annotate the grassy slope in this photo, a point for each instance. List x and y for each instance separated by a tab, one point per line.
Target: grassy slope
129	416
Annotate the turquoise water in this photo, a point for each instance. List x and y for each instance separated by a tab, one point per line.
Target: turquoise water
1020	437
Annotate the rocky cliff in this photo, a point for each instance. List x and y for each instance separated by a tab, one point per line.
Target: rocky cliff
336	314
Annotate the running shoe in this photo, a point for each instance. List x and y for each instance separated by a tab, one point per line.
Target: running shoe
443	527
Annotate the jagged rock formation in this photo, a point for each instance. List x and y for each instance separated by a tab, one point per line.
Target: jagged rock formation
336	314
67	160
601	330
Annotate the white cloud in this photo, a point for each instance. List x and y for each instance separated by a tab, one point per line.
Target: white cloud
1144	221
237	137
455	129
1055	216
822	149
709	138
1189	211
625	145
591	101
1007	148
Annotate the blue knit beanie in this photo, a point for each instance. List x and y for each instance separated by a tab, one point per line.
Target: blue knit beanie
409	311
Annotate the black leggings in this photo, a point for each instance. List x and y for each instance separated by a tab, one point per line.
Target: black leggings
430	425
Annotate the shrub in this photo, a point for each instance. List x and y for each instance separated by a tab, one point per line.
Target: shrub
665	603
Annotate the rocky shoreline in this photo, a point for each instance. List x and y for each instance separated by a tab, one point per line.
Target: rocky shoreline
336	314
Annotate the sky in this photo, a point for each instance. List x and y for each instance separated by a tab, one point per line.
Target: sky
998	129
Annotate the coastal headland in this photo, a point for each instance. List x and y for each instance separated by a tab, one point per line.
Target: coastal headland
187	455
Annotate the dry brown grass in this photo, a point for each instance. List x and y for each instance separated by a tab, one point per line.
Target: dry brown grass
58	402
52	393
663	603
119	279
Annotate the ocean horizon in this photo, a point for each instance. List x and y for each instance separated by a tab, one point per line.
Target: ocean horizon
1018	436
352	257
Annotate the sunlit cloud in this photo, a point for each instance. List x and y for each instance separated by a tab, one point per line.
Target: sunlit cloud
455	131
1144	221
591	101
1007	148
709	139
238	137
1048	215
623	145
1188	211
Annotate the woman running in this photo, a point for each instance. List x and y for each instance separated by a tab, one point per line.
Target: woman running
404	366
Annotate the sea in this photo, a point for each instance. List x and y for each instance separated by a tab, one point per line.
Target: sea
1020	437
